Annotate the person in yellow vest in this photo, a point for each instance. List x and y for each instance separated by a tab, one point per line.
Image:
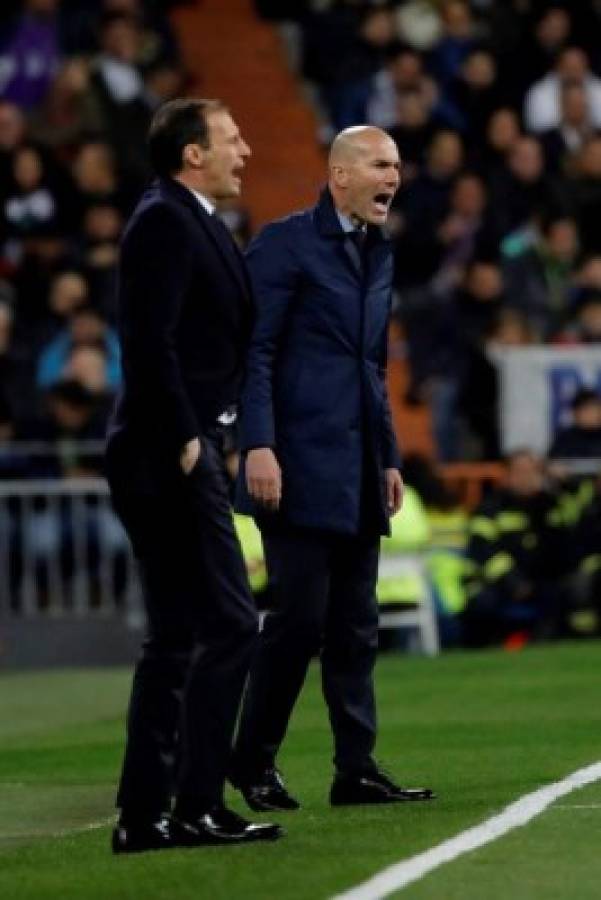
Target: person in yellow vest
578	511
518	554
252	551
433	525
246	530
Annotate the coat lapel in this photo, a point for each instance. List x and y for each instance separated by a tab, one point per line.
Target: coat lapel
228	249
217	233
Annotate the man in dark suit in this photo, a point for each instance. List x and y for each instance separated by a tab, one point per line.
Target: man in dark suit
322	467
185	319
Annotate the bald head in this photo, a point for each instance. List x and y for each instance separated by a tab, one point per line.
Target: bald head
364	173
354	142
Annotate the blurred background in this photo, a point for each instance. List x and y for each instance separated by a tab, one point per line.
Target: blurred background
495	344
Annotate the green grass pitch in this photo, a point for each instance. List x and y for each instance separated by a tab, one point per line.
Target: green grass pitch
482	729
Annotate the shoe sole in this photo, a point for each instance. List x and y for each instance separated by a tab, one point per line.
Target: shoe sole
379	802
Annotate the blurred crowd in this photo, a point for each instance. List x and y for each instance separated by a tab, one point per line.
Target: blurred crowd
496	109
79	81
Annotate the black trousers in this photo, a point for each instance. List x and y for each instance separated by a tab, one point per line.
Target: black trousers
323	593
202	628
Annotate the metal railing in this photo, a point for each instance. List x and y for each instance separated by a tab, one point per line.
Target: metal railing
63	551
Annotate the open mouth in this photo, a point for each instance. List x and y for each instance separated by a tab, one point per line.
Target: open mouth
382	202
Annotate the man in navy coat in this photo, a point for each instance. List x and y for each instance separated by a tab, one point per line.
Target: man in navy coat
322	469
185	318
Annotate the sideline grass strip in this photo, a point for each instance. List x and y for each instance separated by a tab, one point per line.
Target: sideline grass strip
516	815
482	729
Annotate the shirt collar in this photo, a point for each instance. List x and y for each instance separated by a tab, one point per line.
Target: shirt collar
347	225
204	202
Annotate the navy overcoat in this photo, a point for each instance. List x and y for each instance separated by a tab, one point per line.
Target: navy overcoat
315	386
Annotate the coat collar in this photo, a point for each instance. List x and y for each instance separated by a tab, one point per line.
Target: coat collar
328	223
181	194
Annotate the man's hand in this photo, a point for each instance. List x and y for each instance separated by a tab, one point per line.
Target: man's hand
264	477
394	490
190	455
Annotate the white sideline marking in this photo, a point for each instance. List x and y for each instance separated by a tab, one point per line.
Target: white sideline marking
401	874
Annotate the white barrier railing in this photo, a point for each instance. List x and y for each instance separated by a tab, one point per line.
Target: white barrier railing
63	550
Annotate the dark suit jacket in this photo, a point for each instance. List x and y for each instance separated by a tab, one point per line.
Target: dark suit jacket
315	388
185	317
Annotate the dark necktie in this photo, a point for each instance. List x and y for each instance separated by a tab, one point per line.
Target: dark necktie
359	239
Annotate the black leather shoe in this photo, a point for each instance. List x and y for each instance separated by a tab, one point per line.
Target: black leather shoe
220	825
266	792
137	837
373	787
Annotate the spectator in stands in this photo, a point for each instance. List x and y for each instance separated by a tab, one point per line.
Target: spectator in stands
515	554
479	394
476	308
550	36
67	292
33	207
102	226
542	108
60	122
539	280
585	194
404	75
413	132
97	179
562	143
588	276
163	81
116	99
480	298
89	365
12	135
98	251
464	231
442	326
502	133
457	41
30	54
86	328
72	414
157	40
419	24
521	188
581	439
361	38
474	95
584	326
422	206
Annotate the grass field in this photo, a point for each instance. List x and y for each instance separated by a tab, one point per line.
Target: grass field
483	729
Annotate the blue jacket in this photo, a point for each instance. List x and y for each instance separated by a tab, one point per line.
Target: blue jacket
315	385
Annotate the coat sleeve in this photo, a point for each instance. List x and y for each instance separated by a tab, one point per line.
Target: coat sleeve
274	275
391	457
156	266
